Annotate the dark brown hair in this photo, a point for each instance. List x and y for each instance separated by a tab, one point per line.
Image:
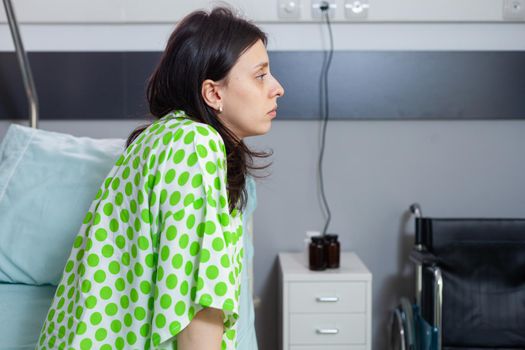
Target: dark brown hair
205	46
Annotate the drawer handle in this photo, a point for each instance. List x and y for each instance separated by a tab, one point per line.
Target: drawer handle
327	299
328	331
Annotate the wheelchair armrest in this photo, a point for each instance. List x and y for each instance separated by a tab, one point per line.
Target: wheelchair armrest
422	257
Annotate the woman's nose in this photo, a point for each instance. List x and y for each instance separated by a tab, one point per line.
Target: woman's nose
279	90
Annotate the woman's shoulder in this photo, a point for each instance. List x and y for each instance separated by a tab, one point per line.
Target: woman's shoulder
181	126
177	129
179	119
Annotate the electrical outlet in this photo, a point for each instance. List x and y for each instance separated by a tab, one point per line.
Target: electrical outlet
356	9
318	13
514	9
289	8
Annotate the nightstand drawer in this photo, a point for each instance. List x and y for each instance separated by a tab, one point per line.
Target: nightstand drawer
327	297
327	329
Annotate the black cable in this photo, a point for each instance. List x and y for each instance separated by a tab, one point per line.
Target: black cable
325	114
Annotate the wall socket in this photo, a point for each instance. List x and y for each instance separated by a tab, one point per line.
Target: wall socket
289	8
316	8
514	10
356	9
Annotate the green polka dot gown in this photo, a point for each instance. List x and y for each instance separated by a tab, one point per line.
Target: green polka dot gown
156	246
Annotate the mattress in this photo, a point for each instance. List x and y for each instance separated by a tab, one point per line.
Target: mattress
22	312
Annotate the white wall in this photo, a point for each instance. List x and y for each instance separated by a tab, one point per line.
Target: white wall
282	36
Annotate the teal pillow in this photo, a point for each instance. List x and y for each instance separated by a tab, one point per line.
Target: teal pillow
47	183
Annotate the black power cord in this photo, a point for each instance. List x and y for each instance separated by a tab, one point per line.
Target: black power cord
325	112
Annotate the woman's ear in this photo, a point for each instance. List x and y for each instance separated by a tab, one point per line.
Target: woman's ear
211	93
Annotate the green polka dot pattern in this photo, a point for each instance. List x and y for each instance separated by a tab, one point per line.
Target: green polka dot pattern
157	245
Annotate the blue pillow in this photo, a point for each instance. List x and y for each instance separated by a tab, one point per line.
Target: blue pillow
47	183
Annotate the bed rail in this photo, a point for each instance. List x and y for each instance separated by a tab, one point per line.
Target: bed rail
24	64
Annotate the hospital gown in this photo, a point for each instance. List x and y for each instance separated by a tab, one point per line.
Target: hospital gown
156	246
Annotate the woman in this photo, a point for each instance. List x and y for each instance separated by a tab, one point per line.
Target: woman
158	259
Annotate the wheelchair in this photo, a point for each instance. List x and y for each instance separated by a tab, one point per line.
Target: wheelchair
469	286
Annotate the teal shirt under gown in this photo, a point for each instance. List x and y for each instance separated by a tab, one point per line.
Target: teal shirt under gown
246	337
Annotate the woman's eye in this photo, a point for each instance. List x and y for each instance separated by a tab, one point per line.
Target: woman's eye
261	77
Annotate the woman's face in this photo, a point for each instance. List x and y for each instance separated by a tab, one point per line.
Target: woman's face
248	95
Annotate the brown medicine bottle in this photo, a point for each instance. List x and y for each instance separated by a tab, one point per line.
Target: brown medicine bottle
317	254
332	250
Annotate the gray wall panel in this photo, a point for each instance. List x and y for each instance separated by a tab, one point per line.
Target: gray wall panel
362	84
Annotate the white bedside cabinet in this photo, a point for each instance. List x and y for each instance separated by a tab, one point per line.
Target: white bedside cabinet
324	310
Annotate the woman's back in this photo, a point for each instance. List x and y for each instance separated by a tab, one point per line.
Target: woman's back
157	245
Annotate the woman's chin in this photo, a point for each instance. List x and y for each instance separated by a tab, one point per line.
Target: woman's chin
262	129
266	128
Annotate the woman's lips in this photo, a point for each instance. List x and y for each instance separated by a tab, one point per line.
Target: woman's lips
273	112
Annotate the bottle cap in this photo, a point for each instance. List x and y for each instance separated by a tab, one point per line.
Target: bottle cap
331	237
317	239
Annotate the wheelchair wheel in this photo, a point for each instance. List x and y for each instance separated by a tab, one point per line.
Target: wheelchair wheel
402	327
397	331
407	315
